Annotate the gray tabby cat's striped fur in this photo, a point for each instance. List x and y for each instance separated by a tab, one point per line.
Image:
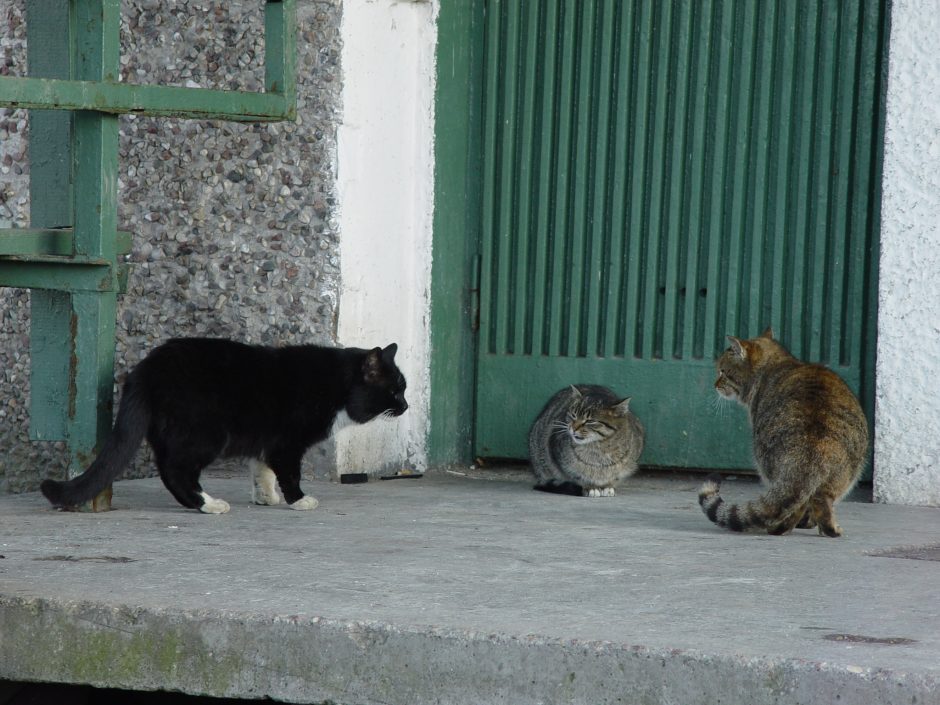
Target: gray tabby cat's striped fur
810	439
585	441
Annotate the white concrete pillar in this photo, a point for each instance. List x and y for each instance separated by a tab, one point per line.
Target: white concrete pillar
386	192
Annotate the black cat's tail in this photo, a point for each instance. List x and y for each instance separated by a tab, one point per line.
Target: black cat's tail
118	450
557	487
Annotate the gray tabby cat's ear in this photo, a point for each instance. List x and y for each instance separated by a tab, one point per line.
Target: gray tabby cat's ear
738	347
768	333
576	392
622	407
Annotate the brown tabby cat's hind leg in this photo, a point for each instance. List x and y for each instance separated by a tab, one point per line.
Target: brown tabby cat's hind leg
795	520
807	522
821	509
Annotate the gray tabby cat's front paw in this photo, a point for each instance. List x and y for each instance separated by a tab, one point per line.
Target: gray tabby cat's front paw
600	492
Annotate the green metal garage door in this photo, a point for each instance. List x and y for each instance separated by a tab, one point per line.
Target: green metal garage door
657	175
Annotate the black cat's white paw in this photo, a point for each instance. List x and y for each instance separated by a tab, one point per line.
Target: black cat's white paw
304	503
210	505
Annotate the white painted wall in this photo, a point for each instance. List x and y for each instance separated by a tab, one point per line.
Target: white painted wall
907	414
386	192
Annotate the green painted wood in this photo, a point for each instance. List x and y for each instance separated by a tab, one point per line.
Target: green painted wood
102	92
457	150
61	274
48	54
697	169
50	353
95	28
157	101
280	53
27	242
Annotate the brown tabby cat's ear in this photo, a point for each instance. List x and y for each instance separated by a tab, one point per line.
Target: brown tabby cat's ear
372	365
622	407
768	333
738	346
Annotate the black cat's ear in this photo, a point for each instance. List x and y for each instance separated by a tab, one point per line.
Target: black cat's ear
768	333
372	365
738	347
389	353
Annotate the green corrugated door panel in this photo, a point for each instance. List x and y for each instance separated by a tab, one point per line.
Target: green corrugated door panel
658	175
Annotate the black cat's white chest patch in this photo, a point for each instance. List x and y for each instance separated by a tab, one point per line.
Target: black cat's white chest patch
341	421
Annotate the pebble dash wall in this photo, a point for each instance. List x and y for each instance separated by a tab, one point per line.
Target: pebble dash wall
235	229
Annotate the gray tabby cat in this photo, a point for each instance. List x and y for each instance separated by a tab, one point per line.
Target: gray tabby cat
810	439
585	441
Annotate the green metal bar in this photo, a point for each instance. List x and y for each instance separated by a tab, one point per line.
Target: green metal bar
636	227
656	147
800	188
504	232
739	118
57	242
784	101
613	302
600	263
563	140
490	186
717	165
523	234
158	101
579	230
761	197
698	111
821	299
545	231
840	182
873	27
680	291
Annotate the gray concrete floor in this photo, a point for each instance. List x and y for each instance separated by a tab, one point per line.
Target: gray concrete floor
470	588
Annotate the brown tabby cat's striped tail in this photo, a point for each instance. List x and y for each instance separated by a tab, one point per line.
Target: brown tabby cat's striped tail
774	512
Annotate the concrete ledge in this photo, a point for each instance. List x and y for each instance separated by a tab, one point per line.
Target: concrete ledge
304	660
465	591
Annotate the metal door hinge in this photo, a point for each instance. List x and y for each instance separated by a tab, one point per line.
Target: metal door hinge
474	292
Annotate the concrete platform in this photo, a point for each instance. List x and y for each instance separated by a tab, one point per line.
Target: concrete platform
470	590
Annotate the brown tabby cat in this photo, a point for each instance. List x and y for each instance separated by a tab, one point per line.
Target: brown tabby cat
810	439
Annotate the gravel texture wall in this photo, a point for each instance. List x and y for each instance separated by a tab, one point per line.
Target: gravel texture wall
234	226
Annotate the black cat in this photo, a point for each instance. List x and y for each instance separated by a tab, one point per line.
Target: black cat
198	399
